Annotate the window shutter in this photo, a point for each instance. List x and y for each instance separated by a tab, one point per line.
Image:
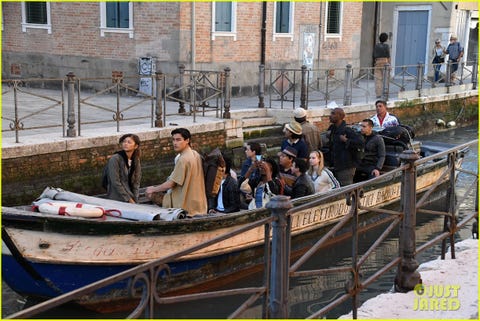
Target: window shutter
223	16
36	12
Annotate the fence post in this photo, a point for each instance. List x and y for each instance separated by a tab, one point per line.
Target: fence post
71	101
261	86
461	65
386	81
303	88
475	73
158	99
278	300
347	97
448	74
181	92
407	275
228	94
418	85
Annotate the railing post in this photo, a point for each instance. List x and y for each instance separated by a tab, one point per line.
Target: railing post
386	81
407	275
418	85
461	65
158	99
228	94
347	97
278	300
303	88
181	92
448	74
71	132
475	72
261	86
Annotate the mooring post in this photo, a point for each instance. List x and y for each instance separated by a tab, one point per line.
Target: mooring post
71	108
158	99
407	275
278	300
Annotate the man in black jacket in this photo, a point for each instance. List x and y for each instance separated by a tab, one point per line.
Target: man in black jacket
374	157
343	145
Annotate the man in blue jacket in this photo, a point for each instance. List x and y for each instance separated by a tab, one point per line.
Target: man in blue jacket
343	145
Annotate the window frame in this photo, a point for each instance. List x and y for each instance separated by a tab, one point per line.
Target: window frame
340	22
290	34
25	25
103	21
233	21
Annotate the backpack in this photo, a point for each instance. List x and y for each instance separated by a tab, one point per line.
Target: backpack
213	170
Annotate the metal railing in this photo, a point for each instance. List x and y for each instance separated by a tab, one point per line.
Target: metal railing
344	86
89	101
278	241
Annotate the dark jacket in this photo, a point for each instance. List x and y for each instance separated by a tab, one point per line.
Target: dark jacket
303	186
341	155
374	152
230	196
123	181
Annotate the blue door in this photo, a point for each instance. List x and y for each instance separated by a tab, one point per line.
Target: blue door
411	45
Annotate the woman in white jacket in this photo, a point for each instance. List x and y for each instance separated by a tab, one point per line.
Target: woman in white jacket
322	177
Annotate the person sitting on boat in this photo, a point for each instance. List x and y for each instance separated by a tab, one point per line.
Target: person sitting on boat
268	185
374	153
186	183
286	158
383	118
123	171
228	197
311	133
253	152
343	144
294	138
303	185
323	179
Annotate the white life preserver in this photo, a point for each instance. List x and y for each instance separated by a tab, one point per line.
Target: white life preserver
71	209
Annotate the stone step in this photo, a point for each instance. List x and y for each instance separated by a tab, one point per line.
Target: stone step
258	122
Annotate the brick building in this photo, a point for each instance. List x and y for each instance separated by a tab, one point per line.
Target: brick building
51	39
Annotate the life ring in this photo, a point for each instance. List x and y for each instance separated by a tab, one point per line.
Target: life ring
71	209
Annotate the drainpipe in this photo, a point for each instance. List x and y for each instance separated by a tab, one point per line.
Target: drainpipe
192	40
320	26
263	33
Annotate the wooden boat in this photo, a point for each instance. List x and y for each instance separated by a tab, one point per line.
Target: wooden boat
45	255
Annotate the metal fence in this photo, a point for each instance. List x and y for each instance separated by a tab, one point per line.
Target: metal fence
277	242
344	86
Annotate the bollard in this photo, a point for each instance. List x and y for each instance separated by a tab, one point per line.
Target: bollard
71	109
407	275
158	99
475	73
303	88
278	299
181	92
228	94
448	74
347	97
261	86
386	81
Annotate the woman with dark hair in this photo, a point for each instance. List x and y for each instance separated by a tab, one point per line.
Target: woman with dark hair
123	171
267	185
381	57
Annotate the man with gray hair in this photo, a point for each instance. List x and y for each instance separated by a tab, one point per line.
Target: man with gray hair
455	54
311	133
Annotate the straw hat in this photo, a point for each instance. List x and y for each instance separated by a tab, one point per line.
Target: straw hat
294	127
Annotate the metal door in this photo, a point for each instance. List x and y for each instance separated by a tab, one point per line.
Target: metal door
411	46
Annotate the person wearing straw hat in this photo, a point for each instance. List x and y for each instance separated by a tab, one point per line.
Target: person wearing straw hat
294	138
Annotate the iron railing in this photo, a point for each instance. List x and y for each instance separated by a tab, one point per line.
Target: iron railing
278	233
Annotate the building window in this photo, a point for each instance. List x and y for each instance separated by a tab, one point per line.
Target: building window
116	17
334	19
283	20
224	19
36	15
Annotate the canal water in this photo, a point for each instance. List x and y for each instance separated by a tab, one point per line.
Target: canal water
307	294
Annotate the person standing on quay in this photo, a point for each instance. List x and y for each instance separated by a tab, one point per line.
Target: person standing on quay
123	171
455	54
186	184
381	57
310	132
